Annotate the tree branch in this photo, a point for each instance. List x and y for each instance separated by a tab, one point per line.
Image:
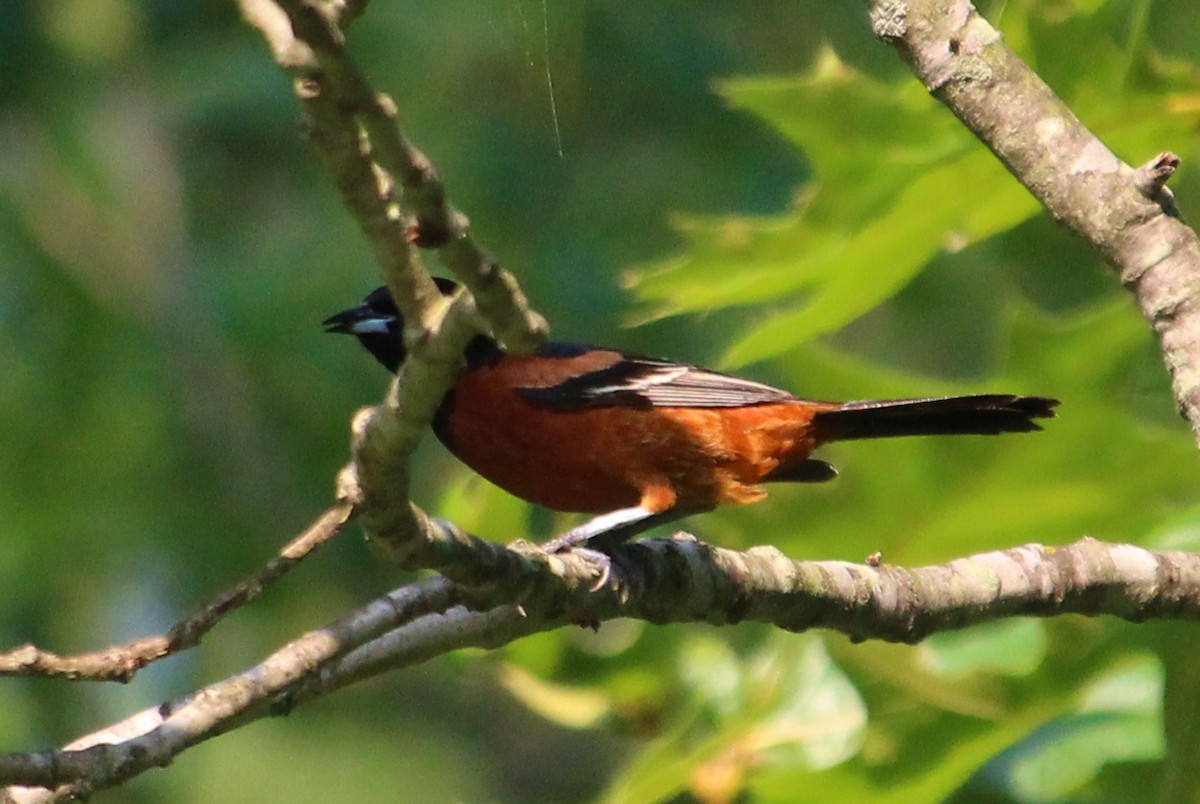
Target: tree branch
660	580
1128	216
339	101
122	662
152	737
354	129
433	222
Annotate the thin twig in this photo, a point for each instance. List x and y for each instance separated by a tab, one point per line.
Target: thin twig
122	662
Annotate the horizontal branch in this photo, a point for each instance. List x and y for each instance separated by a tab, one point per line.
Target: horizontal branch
660	580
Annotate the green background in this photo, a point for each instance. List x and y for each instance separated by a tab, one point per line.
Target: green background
757	186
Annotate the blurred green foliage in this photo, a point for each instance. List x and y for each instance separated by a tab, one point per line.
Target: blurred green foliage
749	182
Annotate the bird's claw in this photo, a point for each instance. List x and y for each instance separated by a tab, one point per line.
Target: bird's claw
580	545
606	566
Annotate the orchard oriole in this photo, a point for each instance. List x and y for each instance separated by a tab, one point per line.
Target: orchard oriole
643	441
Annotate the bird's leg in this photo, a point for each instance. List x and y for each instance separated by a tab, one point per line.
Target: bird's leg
601	535
607	531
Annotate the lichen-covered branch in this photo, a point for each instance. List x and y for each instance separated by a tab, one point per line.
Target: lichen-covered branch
354	129
1127	215
329	81
152	737
659	580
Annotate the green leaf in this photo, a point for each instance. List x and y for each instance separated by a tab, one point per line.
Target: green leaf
788	705
879	208
1118	719
940	774
1010	647
572	706
896	181
967	199
817	718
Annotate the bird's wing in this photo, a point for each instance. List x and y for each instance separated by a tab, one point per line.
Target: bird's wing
642	382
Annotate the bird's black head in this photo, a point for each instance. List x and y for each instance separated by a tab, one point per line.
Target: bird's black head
378	325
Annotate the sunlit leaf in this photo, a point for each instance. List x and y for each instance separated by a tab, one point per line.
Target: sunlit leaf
788	705
1014	647
571	706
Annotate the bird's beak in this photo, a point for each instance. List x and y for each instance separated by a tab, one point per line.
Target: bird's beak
359	320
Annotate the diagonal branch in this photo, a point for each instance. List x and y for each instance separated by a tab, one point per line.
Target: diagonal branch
151	738
346	154
330	85
1127	215
433	222
659	580
122	662
354	129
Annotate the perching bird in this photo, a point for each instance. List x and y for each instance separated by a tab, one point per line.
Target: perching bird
643	441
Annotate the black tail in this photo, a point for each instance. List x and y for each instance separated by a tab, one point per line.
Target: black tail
986	414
